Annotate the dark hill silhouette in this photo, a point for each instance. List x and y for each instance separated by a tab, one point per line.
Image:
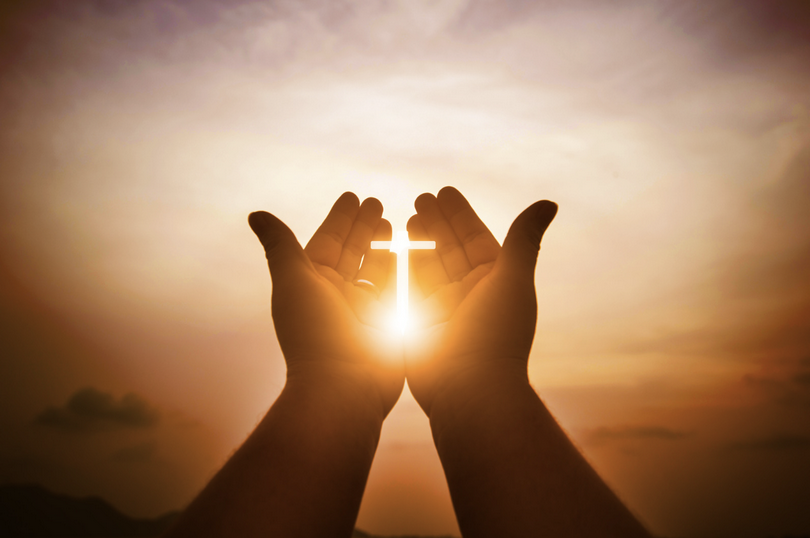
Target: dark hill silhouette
360	534
31	511
28	510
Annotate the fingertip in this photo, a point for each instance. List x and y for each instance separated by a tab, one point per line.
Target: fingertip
269	229
536	218
423	201
452	202
412	223
347	201
449	192
523	240
384	231
545	211
373	205
549	206
416	228
259	221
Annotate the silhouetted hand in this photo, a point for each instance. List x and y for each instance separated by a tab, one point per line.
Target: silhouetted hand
303	469
478	296
512	471
324	308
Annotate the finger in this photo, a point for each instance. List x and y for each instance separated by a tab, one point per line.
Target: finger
448	246
326	245
427	265
377	262
357	242
478	242
519	254
283	252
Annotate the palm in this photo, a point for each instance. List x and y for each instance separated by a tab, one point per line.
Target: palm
320	316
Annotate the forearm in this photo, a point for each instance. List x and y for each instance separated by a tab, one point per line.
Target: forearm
301	473
512	471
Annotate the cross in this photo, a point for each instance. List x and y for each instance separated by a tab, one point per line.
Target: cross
400	246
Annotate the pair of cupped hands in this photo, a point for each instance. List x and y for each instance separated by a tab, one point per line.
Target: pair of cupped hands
476	300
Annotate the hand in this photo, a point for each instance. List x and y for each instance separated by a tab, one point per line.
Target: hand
479	297
312	451
321	313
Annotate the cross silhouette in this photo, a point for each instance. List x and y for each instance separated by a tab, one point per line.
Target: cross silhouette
401	245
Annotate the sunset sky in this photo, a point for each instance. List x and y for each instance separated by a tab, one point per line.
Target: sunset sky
136	346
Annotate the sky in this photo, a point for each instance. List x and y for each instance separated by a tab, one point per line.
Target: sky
673	338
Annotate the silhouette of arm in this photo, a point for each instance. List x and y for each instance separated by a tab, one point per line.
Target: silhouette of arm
303	470
511	469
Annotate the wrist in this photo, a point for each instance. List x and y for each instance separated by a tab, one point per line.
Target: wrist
340	389
480	393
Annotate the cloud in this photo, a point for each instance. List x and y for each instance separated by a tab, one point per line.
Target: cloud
89	409
759	298
775	442
635	433
785	382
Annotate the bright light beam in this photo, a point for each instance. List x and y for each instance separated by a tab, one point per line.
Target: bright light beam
401	245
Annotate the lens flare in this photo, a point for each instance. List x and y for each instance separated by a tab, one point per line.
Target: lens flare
401	246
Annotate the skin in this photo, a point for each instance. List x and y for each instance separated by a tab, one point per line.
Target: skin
303	470
510	468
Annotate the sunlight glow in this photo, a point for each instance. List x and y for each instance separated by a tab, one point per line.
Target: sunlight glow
401	245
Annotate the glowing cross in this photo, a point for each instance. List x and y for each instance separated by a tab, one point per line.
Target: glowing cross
400	246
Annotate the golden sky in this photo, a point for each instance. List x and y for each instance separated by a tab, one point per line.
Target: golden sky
673	336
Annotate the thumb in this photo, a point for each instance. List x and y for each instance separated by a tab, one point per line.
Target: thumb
519	253
282	249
